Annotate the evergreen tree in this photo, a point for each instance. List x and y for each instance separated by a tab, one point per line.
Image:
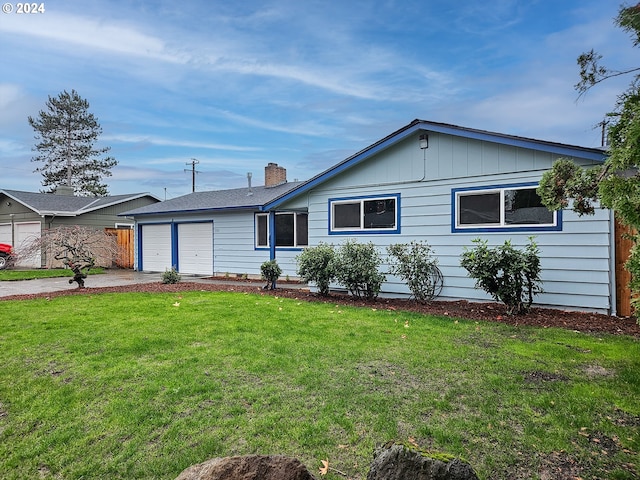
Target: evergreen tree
616	184
66	134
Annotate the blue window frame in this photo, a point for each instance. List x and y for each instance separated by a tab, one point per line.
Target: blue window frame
368	214
291	230
501	208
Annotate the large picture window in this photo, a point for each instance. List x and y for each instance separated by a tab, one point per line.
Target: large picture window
501	208
364	214
291	230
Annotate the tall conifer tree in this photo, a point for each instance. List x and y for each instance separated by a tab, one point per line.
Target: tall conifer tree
66	134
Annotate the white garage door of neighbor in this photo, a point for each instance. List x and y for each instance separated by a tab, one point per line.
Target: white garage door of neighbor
195	248
24	234
156	248
5	233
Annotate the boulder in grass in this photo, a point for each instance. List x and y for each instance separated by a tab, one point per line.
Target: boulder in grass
398	461
250	467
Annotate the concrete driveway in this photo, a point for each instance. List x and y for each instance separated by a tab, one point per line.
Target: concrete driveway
111	278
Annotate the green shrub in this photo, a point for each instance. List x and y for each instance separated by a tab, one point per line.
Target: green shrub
356	266
509	275
270	272
315	264
414	264
171	276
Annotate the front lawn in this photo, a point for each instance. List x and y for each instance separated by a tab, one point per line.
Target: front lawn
14	275
140	386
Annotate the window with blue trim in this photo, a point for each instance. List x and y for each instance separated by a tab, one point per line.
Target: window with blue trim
365	214
291	230
501	208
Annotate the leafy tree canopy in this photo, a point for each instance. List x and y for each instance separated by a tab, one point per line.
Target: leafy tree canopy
615	184
66	134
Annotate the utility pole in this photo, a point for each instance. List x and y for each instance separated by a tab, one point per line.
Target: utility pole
193	164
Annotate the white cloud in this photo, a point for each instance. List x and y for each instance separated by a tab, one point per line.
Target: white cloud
168	142
89	33
9	93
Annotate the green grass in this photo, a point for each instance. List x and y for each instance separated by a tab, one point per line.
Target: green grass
14	275
140	386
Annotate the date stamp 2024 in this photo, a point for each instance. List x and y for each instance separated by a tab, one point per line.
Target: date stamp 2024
23	8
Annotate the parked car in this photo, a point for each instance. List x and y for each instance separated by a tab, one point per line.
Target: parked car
5	254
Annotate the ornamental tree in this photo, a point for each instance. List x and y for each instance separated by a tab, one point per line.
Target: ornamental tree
76	247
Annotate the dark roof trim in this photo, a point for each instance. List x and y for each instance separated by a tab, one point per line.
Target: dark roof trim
193	211
417	125
595	154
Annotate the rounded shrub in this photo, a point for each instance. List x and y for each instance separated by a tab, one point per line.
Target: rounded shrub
509	275
315	264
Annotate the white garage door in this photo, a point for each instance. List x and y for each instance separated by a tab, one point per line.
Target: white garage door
5	233
24	234
156	248
195	248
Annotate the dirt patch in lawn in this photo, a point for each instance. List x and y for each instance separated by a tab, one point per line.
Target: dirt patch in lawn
585	322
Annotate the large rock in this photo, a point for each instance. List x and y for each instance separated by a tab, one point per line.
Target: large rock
396	461
250	467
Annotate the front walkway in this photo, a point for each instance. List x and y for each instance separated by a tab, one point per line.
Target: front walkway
112	278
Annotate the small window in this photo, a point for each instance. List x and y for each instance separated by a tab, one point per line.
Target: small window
302	229
507	208
365	215
291	230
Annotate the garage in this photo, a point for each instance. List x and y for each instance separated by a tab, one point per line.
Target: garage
24	233
5	233
156	248
195	248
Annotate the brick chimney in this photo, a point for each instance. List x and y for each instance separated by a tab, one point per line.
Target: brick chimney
274	175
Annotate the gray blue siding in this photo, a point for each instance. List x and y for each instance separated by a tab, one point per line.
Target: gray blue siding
576	261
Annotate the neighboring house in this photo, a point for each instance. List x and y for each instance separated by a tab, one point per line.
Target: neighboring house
433	182
25	215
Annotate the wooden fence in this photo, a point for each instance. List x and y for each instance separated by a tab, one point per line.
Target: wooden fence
124	238
623	293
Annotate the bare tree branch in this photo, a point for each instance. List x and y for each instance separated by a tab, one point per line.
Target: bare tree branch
75	247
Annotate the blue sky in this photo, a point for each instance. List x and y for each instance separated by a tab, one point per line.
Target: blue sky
304	84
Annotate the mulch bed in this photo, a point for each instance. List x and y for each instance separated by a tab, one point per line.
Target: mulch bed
586	322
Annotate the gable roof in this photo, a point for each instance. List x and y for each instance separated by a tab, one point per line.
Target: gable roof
68	205
231	199
595	154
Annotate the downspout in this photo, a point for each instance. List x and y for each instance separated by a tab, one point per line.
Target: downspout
47	246
13	230
612	265
139	245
